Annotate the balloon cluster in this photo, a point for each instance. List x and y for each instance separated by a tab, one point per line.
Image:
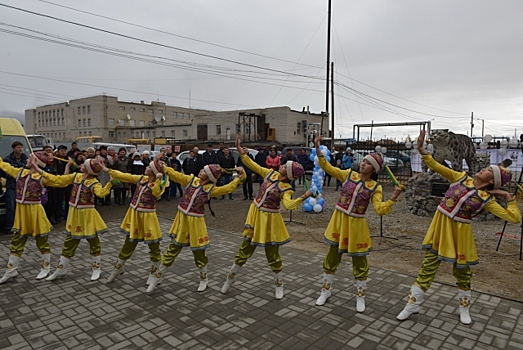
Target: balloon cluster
316	203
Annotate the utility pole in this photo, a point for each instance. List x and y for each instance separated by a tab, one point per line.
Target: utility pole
482	128
332	102
471	123
328	67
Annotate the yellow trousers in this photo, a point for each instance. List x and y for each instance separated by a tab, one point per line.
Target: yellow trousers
429	268
128	249
200	256
272	252
18	244
71	244
360	266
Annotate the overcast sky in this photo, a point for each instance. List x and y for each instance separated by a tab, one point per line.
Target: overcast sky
395	61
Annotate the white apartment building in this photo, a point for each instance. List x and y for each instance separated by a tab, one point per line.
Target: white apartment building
117	121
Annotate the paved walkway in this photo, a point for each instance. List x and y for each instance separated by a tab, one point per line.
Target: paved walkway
75	313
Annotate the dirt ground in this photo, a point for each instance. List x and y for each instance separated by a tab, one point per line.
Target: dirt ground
499	272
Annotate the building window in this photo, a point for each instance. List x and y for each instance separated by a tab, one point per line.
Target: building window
84	123
172	133
119	135
111	121
141	110
122	108
79	122
79	110
88	109
83	110
132	134
142	122
150	111
54	113
63	121
111	133
132	109
89	133
175	115
121	122
148	133
187	115
154	134
185	133
131	122
218	129
163	133
62	111
160	111
298	128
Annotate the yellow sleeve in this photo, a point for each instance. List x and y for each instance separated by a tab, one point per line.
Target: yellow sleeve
512	214
158	190
335	172
249	163
226	189
124	177
447	173
177	176
104	191
289	203
58	180
9	169
381	207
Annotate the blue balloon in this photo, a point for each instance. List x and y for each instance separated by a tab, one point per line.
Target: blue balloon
313	151
328	158
307	207
320	201
311	157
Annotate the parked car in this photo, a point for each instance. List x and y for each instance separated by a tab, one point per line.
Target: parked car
297	150
393	163
181	157
403	156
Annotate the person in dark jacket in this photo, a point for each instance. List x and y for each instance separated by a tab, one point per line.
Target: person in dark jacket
210	157
303	159
190	164
227	164
55	195
137	168
18	159
260	159
120	164
177	166
247	185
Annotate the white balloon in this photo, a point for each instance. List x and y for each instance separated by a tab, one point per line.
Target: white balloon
408	145
430	147
513	142
483	145
316	161
384	150
487	138
504	143
378	149
502	151
318	196
317	208
312	201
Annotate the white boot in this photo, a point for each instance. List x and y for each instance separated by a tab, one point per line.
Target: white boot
230	278
278	282
61	269
464	306
413	302
157	278
12	268
154	268
118	270
46	266
360	298
203	279
97	271
328	279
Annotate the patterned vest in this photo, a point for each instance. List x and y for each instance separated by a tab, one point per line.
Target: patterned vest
463	201
29	187
143	199
82	195
270	193
355	195
195	197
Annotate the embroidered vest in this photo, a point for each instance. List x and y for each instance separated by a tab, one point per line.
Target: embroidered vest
29	187
82	195
143	199
355	195
194	198
270	193
463	201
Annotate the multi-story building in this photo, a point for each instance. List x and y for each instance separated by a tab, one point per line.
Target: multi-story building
117	121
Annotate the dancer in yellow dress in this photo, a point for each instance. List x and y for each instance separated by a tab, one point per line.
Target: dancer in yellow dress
188	228
264	226
30	219
141	224
450	236
348	232
83	220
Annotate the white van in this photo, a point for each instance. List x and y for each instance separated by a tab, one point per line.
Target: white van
39	141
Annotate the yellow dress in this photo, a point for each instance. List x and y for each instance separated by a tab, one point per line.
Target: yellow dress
141	225
350	233
264	227
453	241
82	223
30	219
189	230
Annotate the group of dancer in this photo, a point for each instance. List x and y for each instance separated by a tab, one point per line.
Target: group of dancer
449	237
